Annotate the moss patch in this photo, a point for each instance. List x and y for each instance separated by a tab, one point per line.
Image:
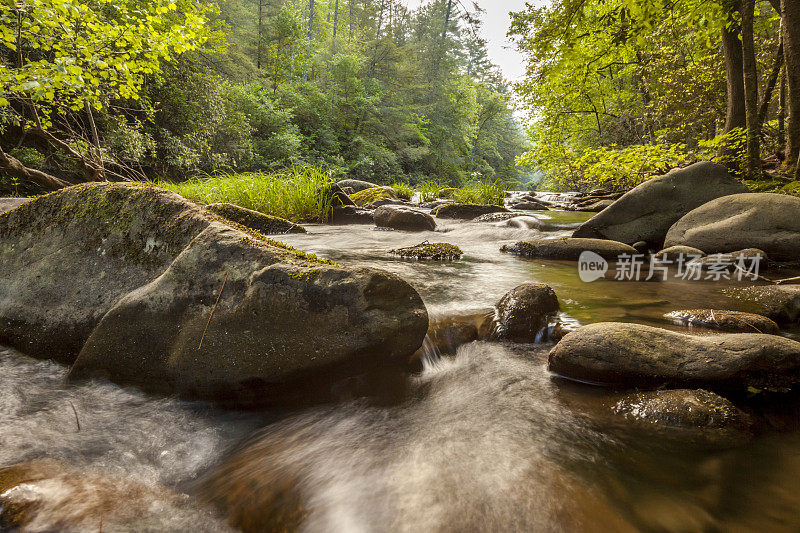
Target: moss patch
373	194
436	251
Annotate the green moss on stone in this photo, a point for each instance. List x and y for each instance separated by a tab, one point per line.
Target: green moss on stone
373	194
437	251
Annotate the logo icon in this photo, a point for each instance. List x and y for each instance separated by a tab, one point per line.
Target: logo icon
591	266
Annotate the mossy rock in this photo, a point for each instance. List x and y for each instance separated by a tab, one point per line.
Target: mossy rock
138	285
266	224
431	251
372	195
447	193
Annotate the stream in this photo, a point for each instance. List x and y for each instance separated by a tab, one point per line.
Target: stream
484	440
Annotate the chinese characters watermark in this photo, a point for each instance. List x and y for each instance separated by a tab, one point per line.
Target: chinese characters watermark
636	267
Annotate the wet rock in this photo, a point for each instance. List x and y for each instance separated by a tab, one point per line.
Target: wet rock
673	253
524	222
569	249
646	212
641	247
138	285
734	321
7	204
642	356
594	207
356	185
374	194
403	218
343	215
781	303
431	251
265	224
698	413
740	259
497	217
530	206
467	211
769	222
447	333
524	312
46	495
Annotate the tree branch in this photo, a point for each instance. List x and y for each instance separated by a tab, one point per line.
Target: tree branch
14	168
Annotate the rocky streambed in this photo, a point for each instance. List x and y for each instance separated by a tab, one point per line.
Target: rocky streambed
167	369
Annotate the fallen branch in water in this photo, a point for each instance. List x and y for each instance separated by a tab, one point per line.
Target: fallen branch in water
212	310
78	422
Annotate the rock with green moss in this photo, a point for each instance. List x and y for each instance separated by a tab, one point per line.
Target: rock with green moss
431	251
568	248
356	185
733	321
373	194
266	224
634	355
138	285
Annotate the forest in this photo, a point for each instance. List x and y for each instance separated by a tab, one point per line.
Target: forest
172	89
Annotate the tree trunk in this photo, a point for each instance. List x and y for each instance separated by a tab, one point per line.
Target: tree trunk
750	70
260	32
14	168
782	114
447	18
790	26
335	21
763	110
735	116
350	17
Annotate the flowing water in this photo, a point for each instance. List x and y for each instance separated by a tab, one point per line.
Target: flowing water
484	440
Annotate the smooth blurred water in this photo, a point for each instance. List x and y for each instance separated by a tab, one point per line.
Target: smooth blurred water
484	440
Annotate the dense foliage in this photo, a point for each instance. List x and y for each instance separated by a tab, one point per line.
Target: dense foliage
621	90
170	89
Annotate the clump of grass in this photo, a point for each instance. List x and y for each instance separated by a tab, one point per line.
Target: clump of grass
485	191
429	190
403	190
293	194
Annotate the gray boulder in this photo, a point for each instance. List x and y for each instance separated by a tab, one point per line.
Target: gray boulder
356	185
7	204
530	205
347	214
642	356
522	314
265	224
138	285
733	321
646	212
569	249
769	222
403	218
497	217
595	207
466	211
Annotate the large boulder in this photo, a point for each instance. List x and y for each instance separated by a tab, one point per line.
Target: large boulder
646	212
642	356
403	218
265	224
7	204
530	205
373	194
569	249
522	314
769	222
141	286
343	215
467	211
356	185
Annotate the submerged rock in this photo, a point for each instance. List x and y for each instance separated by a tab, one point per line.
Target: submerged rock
525	222
374	194
7	204
769	222
497	217
634	355
266	224
569	249
138	285
356	185
733	321
524	312
467	211
781	303
699	414
403	218
646	212
344	215
437	251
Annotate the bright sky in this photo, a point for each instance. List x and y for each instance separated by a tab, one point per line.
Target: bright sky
495	26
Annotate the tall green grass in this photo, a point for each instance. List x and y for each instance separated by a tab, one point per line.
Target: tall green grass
292	194
429	190
403	190
483	191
